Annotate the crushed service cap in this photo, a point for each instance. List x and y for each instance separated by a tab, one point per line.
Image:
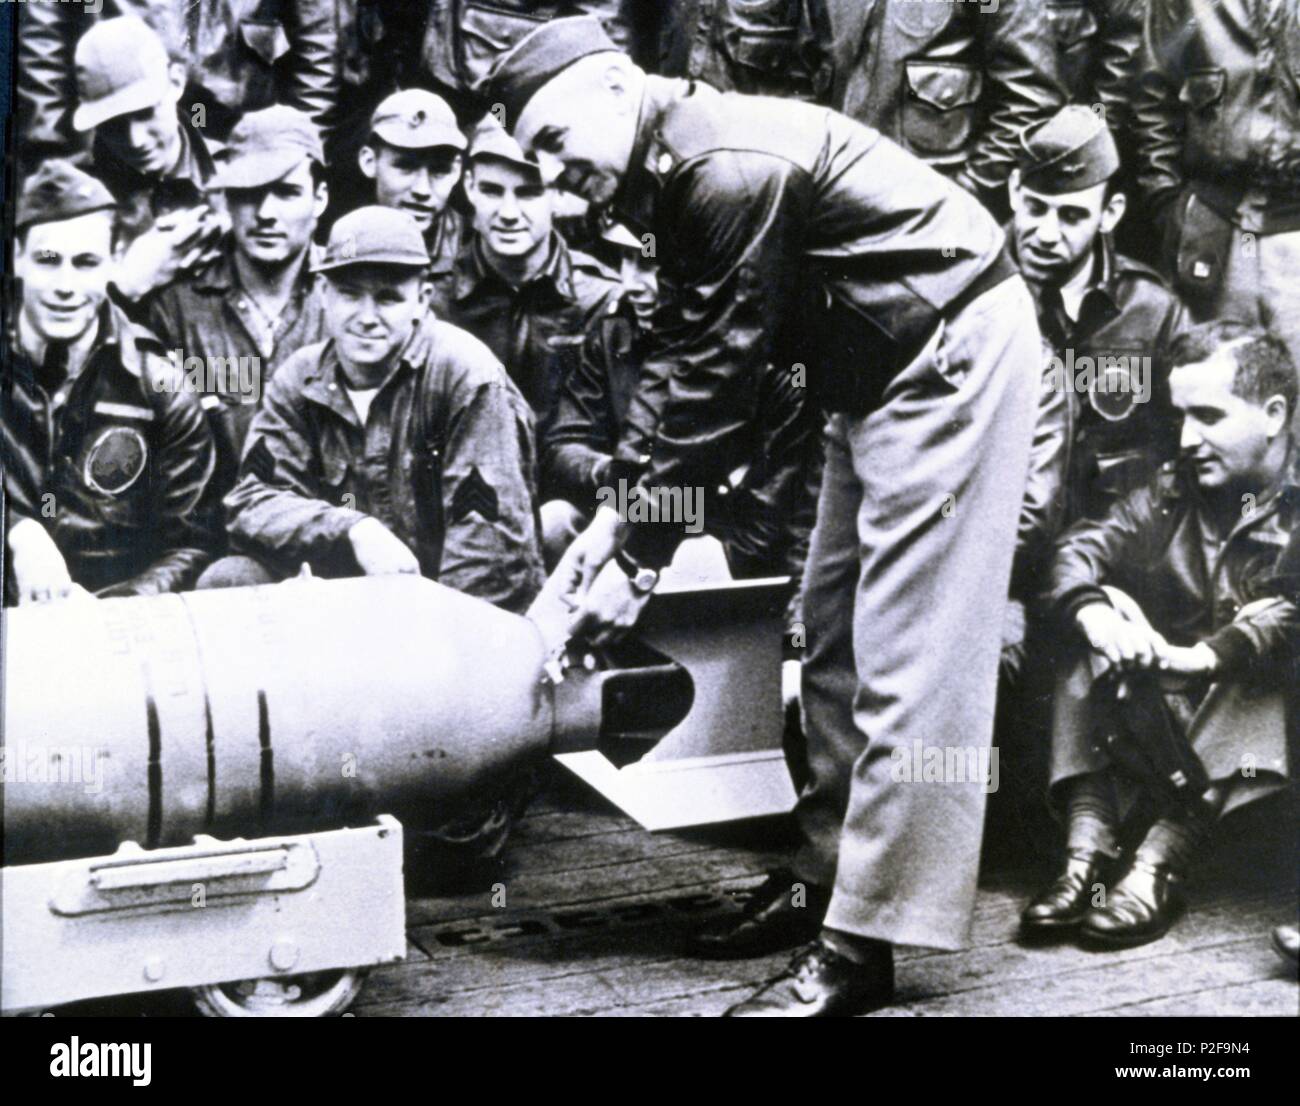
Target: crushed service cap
416	120
1072	151
264	146
121	67
374	235
541	55
58	190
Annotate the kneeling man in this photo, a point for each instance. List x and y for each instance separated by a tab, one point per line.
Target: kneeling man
398	445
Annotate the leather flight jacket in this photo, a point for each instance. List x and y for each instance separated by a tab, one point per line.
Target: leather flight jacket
116	464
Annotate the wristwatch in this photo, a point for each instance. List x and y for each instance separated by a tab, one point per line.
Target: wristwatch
642	579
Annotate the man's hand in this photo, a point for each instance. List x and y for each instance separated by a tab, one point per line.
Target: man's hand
379	551
1195	660
610	608
176	243
40	572
1127	645
588	554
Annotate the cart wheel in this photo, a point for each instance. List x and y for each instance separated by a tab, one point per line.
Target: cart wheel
312	995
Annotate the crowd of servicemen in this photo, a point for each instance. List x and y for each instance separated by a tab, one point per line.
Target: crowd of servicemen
447	349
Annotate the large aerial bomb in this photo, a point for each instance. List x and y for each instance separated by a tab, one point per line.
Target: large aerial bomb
306	705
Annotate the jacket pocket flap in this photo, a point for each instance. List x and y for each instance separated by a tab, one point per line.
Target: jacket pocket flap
266	39
944	85
1203	88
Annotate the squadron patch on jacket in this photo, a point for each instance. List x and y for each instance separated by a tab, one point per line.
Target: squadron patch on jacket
115	460
475	494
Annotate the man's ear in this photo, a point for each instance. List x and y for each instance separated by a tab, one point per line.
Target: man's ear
1116	206
368	160
177	79
1013	189
1276	414
322	199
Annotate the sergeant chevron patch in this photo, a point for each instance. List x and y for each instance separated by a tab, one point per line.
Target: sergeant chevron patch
475	494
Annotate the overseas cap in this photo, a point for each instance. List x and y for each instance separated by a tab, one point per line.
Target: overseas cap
264	146
374	236
416	120
58	190
492	141
121	67
1072	151
541	55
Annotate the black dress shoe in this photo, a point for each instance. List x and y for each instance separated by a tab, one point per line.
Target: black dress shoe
1134	915
820	983
1286	940
1063	904
773	920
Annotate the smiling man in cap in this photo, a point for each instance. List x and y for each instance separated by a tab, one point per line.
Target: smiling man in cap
107	462
396	445
153	161
789	234
517	285
414	159
257	303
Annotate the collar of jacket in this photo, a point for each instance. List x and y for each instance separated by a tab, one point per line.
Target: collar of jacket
115	332
324	383
221	276
1176	483
472	270
652	158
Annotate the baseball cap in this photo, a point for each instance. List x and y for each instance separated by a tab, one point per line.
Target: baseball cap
374	235
414	119
264	146
121	67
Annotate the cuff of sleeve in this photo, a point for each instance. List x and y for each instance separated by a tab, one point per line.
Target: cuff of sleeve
1234	648
652	545
1075	600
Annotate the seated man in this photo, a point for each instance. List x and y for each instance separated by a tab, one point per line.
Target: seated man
154	161
1108	319
517	286
244	314
397	445
762	516
1180	698
107	461
413	157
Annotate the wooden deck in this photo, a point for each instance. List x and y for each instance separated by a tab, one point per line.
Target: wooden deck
595	909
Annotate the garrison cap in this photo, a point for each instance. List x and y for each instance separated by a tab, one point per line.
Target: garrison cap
414	119
541	55
264	146
121	67
374	235
58	190
1072	151
492	141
